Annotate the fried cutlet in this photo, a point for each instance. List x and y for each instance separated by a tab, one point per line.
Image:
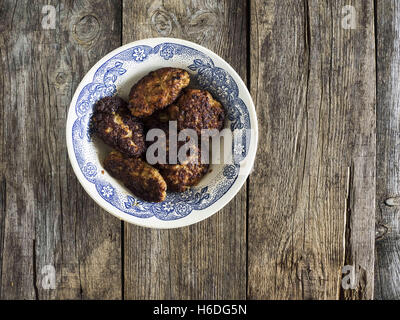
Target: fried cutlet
139	177
186	172
157	90
113	123
179	177
197	109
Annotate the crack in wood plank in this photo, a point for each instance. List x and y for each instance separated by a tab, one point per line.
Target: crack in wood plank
315	104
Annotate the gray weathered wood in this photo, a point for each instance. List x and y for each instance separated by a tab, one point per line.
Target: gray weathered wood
207	260
387	265
314	86
46	216
311	194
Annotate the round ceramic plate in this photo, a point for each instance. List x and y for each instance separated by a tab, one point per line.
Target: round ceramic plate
114	75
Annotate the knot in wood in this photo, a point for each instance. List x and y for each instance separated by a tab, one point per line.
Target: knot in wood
392	202
380	231
162	22
61	78
86	29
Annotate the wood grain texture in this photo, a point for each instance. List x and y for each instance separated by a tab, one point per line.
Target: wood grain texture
207	260
314	87
46	216
387	266
311	206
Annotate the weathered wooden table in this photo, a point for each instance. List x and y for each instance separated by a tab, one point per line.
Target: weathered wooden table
325	81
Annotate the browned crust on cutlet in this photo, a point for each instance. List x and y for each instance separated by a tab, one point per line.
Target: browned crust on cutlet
112	123
159	119
183	175
140	178
157	90
197	109
180	177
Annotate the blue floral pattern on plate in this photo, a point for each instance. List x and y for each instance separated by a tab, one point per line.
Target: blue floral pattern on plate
209	77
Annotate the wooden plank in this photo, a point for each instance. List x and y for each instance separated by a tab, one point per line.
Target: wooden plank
47	218
207	260
387	266
314	86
